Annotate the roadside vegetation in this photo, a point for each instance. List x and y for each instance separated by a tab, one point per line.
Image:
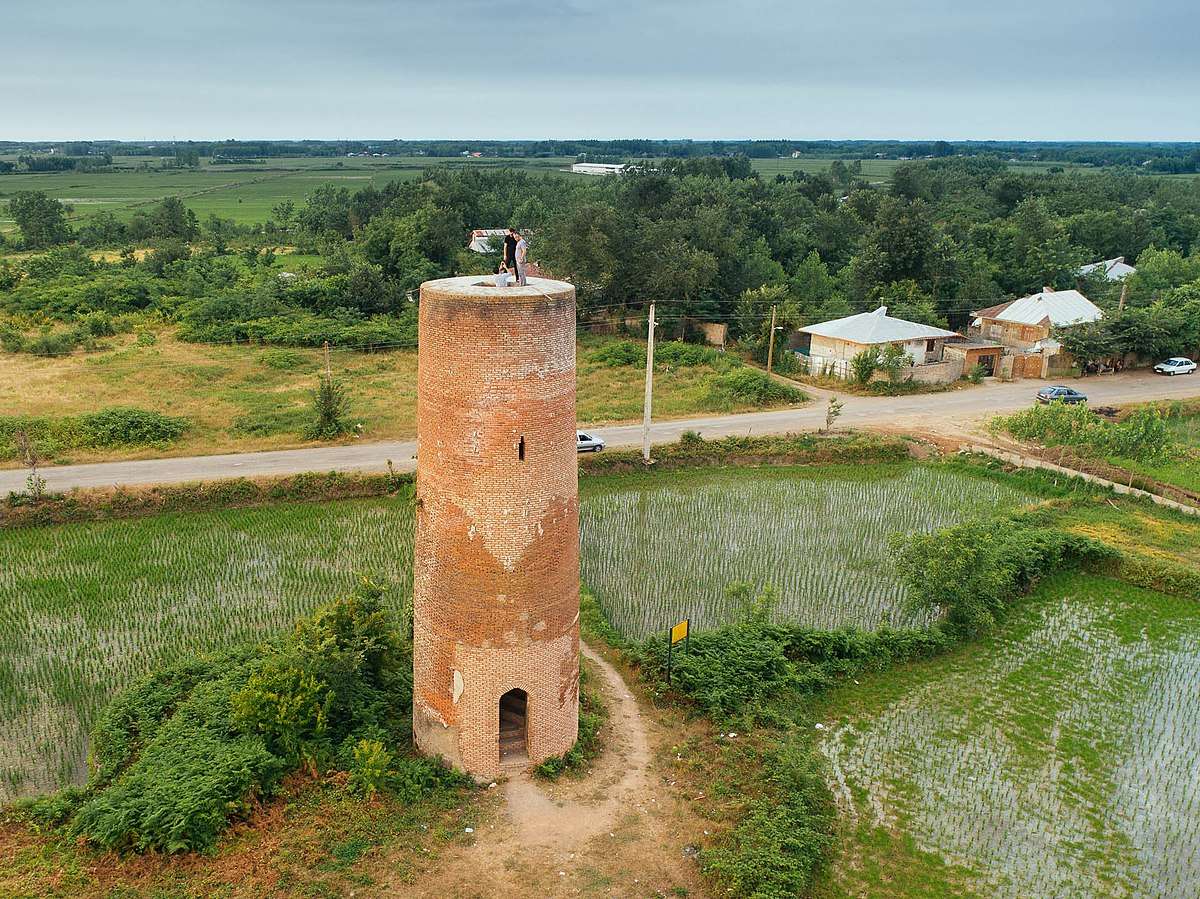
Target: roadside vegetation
1156	441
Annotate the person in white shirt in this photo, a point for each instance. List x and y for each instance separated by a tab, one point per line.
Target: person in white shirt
522	259
503	277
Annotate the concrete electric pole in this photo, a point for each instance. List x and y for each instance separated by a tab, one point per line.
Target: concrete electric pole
649	387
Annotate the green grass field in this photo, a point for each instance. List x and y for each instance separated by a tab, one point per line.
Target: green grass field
243	398
1056	758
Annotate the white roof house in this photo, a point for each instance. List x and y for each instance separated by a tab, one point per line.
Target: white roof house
481	239
871	328
1113	269
598	168
1061	307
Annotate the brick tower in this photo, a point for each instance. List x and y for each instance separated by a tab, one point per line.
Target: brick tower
496	562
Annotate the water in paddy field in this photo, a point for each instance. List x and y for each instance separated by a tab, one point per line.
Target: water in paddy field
1063	761
655	553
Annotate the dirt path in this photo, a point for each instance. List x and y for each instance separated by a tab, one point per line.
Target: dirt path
612	833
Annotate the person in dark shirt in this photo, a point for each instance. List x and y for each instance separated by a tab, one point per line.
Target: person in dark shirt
510	249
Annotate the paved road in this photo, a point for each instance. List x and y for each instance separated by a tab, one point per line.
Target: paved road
954	412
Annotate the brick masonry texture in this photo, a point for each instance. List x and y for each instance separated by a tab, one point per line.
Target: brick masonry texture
496	567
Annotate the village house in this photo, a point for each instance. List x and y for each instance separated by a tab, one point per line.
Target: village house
1025	326
482	240
830	346
1112	269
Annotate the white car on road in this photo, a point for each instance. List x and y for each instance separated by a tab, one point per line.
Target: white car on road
589	443
1176	365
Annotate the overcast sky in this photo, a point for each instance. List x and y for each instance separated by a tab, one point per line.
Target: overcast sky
954	69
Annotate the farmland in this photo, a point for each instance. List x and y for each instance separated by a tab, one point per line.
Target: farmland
244	193
817	535
87	607
247	193
1053	759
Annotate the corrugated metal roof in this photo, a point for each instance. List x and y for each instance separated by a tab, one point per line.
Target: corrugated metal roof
875	327
1114	269
1062	307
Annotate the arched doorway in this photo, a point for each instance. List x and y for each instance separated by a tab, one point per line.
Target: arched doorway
513	725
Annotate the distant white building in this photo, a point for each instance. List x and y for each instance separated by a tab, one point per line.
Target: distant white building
597	168
481	239
1113	269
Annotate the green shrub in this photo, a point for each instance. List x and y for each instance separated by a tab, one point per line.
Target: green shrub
281	360
183	750
750	386
677	354
369	774
779	846
972	571
130	426
618	353
330	405
1144	435
11	340
863	365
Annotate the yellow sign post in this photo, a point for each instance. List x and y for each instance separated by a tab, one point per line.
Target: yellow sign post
679	633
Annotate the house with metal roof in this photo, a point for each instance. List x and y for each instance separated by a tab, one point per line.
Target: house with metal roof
832	344
1112	269
1025	327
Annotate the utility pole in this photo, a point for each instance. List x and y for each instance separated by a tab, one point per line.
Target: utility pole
1124	293
649	387
328	370
771	342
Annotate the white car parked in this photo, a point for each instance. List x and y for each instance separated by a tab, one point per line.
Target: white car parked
1176	365
589	443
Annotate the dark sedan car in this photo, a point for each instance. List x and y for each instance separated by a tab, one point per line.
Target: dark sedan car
1060	394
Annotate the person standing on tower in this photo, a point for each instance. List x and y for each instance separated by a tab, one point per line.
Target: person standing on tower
522	253
510	249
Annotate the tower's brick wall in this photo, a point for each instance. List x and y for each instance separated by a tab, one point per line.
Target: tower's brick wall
496	568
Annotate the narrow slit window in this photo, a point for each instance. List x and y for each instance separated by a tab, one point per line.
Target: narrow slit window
521	449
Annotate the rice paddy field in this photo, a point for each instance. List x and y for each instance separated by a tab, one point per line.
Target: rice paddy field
657	550
85	608
1058	758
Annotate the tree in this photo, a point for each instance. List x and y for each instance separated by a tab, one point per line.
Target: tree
1090	342
581	246
893	360
42	220
330	407
863	365
905	300
832	412
285	213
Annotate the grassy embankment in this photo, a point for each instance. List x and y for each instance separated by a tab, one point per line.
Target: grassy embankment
245	398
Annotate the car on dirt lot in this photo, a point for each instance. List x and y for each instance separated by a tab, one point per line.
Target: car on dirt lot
1060	394
589	443
1176	365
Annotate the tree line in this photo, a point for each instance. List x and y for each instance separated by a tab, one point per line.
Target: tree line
707	239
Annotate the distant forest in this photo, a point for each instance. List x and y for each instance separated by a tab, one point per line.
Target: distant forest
1179	158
